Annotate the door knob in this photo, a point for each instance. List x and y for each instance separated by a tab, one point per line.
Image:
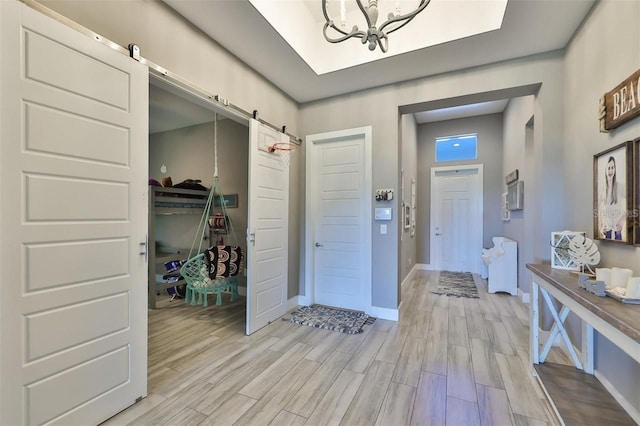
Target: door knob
318	245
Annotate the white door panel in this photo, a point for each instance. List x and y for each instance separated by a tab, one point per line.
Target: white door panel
268	225
457	218
73	173
339	209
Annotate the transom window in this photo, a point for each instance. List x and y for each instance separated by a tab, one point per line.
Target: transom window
457	148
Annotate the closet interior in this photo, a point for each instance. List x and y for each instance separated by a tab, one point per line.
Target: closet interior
181	173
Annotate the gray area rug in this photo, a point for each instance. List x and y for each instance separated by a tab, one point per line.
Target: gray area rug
335	319
458	284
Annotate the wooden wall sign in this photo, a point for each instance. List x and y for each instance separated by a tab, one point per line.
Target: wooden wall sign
620	104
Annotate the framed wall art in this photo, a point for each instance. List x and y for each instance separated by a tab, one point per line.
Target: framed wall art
613	194
560	256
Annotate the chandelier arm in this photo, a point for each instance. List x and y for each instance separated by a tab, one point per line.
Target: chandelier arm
408	17
365	12
353	33
329	21
333	25
384	46
325	12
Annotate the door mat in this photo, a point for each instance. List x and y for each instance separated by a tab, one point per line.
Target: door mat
335	319
458	284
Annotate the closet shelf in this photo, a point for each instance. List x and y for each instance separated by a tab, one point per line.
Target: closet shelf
169	201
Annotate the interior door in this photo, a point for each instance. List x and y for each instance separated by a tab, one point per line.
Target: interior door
455	227
340	205
73	175
268	226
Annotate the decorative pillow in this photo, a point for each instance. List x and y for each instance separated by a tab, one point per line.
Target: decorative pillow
223	261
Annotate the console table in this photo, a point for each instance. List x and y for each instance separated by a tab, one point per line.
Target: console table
566	386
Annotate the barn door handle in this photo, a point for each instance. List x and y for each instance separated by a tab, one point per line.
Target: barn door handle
319	245
143	248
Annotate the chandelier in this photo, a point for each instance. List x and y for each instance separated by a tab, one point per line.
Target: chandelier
376	36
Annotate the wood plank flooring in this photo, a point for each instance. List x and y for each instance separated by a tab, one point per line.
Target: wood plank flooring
447	361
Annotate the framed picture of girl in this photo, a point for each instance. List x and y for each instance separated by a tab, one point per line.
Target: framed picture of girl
613	194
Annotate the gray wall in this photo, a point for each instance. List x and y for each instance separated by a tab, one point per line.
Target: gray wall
188	154
517	154
379	108
408	157
489	130
603	53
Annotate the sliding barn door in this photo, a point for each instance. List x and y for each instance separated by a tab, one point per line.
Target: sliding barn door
73	178
267	233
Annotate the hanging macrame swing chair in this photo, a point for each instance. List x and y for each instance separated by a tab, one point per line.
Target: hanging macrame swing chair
214	270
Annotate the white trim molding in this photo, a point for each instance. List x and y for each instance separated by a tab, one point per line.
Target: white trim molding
384	313
524	297
294	302
424	266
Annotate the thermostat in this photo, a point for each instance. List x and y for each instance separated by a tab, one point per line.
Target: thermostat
383	213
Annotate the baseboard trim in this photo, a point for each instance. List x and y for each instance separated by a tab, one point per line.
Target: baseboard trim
629	408
525	297
304	300
292	303
384	313
424	266
410	275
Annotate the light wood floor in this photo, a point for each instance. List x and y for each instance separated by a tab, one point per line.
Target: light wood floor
447	361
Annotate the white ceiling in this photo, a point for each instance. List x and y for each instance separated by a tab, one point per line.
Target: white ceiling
169	112
468	110
529	27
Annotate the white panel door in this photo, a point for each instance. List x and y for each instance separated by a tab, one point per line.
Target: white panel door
73	175
340	206
455	225
268	228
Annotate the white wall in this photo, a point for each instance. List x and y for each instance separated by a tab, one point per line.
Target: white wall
603	53
409	159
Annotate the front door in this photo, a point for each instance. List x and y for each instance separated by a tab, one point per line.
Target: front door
457	220
73	178
268	226
339	217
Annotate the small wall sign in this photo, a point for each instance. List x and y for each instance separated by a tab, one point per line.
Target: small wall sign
620	104
511	177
